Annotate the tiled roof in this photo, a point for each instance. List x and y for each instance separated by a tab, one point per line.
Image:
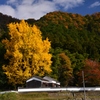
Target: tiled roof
51	80
36	78
46	79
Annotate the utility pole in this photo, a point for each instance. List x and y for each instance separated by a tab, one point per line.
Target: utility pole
84	85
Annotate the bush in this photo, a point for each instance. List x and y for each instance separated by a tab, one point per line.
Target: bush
9	96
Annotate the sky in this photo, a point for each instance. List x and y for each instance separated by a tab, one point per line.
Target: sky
35	9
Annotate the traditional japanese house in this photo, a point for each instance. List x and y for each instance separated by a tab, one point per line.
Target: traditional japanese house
38	82
52	82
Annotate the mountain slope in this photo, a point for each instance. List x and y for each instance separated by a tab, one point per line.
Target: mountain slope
72	31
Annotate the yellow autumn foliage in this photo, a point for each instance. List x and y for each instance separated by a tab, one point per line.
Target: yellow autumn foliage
28	54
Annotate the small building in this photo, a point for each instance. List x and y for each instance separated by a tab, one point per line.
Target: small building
38	82
52	82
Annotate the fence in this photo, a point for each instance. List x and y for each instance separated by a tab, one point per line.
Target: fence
71	89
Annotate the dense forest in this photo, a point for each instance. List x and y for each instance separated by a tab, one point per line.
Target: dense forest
75	46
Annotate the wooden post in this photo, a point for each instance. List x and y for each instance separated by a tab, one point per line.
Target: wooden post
84	85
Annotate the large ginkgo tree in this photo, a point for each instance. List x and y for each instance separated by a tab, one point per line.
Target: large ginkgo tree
27	52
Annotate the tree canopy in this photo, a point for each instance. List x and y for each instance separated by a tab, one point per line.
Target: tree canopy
91	73
27	53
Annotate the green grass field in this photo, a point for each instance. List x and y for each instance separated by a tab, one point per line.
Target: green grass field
50	96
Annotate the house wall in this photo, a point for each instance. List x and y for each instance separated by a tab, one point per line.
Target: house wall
33	84
52	85
44	85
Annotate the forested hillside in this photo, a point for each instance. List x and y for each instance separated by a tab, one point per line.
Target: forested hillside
75	46
73	32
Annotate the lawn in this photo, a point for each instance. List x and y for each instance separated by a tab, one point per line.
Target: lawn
50	96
